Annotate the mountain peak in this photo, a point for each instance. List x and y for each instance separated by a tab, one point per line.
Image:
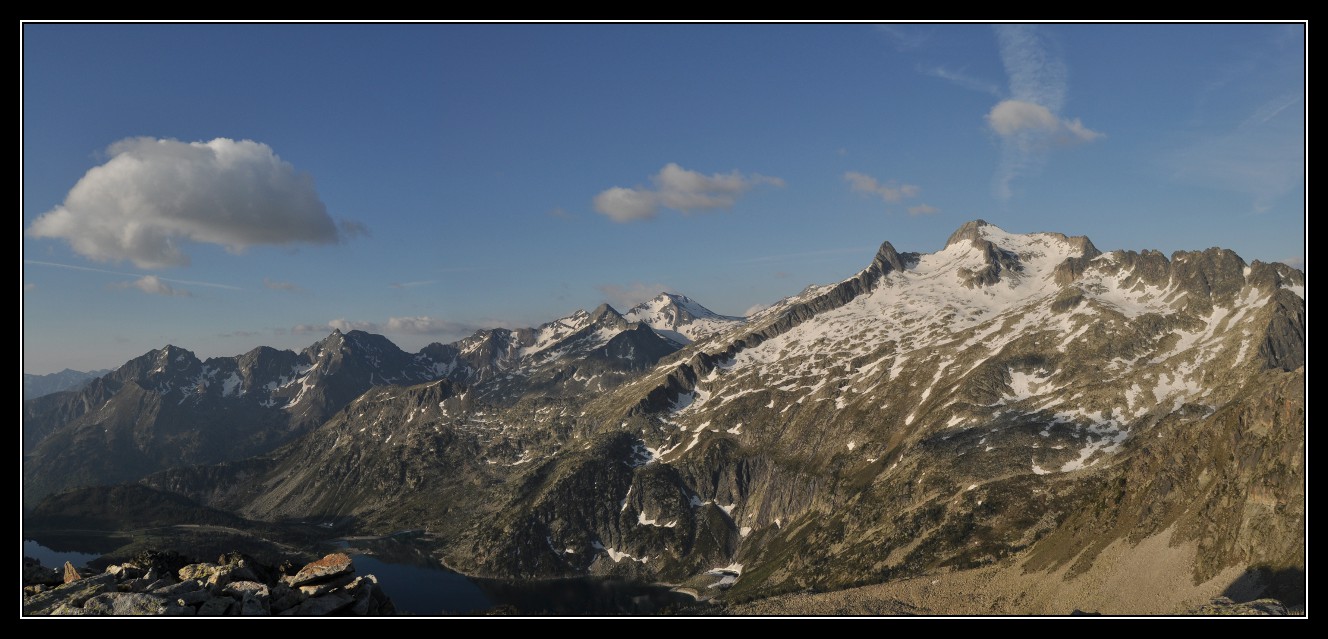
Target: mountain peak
968	231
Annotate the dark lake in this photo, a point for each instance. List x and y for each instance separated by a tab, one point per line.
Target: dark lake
52	558
419	586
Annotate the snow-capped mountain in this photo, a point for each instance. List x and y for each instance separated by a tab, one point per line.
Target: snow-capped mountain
679	318
1008	397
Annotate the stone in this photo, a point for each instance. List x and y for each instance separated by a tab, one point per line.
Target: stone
74	594
190	585
325	605
329	566
215	607
320	588
71	573
240	589
284	597
122	604
124	572
193	598
66	610
201	572
254	606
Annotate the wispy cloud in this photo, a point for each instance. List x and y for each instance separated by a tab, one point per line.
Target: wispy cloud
418	325
278	285
892	191
412	284
90	269
241	334
153	285
961	79
1297	262
904	37
153	195
804	255
1263	158
679	189
752	310
1028	123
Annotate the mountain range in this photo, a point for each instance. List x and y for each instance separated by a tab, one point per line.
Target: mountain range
1008	400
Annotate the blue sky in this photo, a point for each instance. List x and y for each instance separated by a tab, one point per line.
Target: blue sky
221	186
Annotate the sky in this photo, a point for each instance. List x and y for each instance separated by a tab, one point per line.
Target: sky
223	186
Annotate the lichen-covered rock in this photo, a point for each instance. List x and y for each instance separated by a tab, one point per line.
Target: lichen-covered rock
134	604
329	566
1224	606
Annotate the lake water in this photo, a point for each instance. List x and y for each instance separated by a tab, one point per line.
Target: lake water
56	558
420	590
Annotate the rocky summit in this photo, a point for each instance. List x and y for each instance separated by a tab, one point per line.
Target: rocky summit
235	586
1015	414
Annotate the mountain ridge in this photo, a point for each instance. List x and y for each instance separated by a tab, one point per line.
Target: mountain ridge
1010	395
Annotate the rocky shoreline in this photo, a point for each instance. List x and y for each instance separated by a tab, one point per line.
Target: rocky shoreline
168	584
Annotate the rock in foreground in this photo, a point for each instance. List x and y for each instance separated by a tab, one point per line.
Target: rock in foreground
234	586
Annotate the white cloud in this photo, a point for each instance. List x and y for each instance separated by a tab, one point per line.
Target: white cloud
1033	126
153	285
347	326
424	325
1297	262
891	191
922	209
755	309
154	194
421	325
625	297
678	189
28	286
1028	122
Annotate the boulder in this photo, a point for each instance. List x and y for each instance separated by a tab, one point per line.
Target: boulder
330	566
134	604
325	605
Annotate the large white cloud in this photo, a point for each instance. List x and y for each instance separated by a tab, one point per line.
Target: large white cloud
678	189
154	194
1034	126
